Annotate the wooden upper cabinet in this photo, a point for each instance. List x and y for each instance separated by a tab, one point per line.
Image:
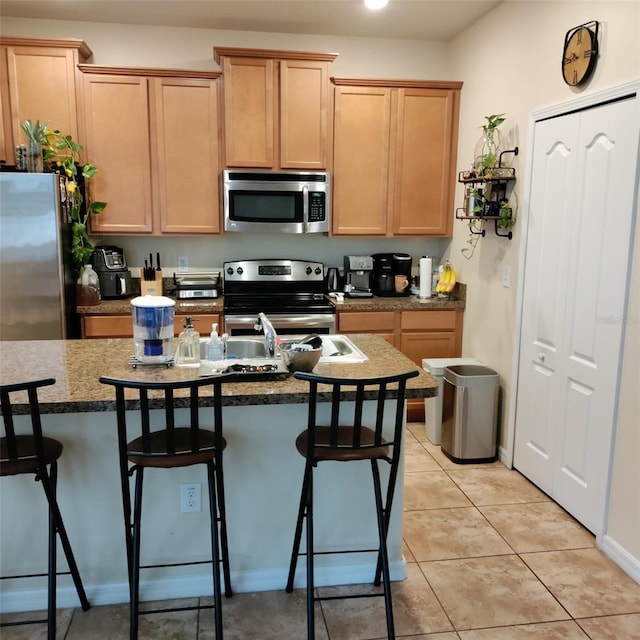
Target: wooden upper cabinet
153	134
186	154
39	78
277	108
117	143
398	139
361	160
425	154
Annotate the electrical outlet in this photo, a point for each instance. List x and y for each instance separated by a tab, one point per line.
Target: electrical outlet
183	263
506	277
191	497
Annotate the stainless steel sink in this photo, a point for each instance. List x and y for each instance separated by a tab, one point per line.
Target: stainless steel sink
335	348
239	347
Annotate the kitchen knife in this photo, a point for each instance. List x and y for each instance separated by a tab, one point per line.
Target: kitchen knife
158	268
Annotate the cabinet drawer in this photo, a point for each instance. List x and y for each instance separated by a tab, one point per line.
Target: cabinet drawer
107	327
201	323
366	321
430	320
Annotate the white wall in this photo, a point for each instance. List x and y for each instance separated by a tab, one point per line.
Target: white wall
509	62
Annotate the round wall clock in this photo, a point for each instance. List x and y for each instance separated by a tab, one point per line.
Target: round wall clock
580	53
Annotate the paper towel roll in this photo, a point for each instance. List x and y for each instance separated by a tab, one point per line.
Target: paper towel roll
425	277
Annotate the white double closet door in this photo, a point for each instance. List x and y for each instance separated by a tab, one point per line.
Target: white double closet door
576	278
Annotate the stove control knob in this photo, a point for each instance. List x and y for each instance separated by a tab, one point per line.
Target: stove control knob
318	271
229	271
239	271
308	271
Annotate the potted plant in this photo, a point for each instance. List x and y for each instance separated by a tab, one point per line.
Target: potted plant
64	154
36	138
487	153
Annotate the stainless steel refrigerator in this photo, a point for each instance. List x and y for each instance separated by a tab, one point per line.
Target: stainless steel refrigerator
37	285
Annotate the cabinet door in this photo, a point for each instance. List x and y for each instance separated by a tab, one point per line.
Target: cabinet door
107	327
432	344
249	108
6	135
424	164
304	114
117	132
186	155
42	86
362	122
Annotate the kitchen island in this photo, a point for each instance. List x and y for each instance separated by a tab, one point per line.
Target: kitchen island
263	474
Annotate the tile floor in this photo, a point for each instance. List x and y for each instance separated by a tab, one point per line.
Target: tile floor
490	557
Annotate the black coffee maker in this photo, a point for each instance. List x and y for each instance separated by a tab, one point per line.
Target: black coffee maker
391	274
110	265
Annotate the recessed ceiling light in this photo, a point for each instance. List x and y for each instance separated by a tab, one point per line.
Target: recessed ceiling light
375	4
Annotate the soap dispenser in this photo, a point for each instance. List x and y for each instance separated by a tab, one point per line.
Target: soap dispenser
214	346
188	351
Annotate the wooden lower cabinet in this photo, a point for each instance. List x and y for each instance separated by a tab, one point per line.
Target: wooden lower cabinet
418	334
122	326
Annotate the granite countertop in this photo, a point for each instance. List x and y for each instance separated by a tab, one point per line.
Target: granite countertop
77	365
409	303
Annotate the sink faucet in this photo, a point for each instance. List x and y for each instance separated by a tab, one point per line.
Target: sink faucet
263	323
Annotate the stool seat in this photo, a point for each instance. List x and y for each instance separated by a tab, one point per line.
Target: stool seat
165	455
343	449
26	460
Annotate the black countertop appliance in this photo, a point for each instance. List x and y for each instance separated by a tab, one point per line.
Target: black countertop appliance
391	274
110	265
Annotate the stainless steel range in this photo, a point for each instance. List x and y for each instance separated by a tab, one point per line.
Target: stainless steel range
289	292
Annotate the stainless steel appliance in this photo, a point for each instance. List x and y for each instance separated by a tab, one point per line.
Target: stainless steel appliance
276	201
357	276
197	285
391	274
111	266
37	283
289	292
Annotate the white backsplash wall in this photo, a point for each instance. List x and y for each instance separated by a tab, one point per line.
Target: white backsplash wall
207	252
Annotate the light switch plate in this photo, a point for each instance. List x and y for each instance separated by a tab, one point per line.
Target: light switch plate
506	277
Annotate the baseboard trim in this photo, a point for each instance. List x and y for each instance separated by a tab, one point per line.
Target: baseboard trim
628	563
193	586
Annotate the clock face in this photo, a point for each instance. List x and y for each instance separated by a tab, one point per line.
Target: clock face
579	56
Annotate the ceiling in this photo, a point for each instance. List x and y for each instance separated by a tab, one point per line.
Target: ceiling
438	20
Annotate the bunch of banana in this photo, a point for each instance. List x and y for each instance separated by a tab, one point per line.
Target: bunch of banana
447	279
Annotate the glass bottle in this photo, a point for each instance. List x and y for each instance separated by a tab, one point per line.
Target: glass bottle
487	153
188	351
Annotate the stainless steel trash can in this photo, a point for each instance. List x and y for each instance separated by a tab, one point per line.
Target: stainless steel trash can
433	406
470	413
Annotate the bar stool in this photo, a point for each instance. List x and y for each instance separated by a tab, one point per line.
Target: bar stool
168	447
32	454
346	439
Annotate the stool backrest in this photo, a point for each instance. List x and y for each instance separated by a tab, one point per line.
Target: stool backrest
381	389
144	400
8	405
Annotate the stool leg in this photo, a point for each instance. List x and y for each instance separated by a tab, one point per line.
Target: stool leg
391	486
53	563
383	555
213	510
228	592
298	534
48	484
135	558
310	581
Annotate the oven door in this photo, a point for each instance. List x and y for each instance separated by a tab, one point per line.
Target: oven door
284	324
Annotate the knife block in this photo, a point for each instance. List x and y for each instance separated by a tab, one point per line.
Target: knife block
151	287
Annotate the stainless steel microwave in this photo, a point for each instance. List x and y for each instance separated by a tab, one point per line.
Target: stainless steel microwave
276	201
